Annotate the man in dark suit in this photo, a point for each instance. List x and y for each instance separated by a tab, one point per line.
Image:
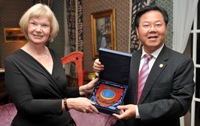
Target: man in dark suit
168	90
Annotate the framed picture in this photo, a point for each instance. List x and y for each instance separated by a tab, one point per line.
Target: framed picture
13	35
103	31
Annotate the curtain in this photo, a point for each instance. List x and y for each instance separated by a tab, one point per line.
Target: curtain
67	47
75	24
71	29
73	33
137	5
80	25
183	16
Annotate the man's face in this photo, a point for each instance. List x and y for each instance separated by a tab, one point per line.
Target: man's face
152	30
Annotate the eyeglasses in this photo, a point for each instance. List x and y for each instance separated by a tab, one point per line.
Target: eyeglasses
149	26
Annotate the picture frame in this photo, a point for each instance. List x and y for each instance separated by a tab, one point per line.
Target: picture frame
103	31
14	35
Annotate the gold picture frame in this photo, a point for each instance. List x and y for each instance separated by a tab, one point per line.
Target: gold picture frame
13	35
103	31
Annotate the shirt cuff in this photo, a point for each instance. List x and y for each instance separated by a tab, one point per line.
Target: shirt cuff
137	116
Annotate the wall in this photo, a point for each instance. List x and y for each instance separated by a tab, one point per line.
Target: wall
122	12
10	13
168	6
59	41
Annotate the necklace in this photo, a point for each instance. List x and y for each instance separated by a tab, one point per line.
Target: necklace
42	57
37	54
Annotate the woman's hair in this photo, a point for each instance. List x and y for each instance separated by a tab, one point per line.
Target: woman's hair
39	10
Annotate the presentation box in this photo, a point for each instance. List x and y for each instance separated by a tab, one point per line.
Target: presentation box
113	80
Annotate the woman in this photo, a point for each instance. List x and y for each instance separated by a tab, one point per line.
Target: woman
35	76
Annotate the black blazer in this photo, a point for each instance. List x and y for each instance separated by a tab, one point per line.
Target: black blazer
168	90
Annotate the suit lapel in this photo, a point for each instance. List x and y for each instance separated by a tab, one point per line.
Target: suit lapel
156	71
133	78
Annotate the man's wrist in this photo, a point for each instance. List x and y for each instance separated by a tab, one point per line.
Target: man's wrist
137	113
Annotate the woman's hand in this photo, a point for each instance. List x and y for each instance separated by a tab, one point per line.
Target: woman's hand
81	104
97	66
88	88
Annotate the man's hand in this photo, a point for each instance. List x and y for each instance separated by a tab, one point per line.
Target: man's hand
97	66
126	111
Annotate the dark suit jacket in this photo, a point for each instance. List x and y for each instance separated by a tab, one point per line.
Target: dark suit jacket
168	90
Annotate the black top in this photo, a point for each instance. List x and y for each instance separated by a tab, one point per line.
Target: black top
36	93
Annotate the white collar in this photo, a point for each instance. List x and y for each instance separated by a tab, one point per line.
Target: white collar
154	54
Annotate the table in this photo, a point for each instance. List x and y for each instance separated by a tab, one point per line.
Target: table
3	90
2	70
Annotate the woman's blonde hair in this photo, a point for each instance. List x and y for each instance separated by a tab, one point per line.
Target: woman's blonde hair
39	10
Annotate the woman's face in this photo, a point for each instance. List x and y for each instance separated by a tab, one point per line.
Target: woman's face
152	30
39	30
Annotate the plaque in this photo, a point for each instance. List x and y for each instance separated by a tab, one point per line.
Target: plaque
107	95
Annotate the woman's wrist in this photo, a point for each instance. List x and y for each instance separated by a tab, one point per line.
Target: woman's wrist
82	89
65	105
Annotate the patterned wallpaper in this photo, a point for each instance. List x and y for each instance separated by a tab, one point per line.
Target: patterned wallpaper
168	6
10	13
122	10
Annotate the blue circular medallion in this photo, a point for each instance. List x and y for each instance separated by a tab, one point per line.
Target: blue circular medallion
107	94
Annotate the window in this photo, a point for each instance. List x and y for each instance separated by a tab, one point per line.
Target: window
195	40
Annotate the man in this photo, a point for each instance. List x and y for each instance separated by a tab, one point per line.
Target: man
167	93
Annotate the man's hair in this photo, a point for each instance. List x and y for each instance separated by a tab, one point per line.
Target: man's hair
147	9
